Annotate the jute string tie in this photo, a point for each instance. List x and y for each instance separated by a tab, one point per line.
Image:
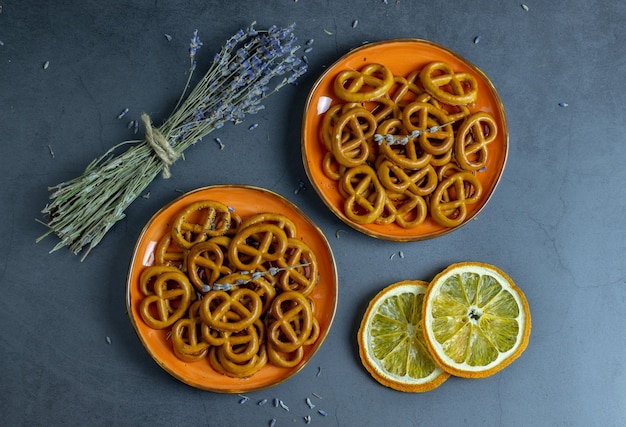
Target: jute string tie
159	144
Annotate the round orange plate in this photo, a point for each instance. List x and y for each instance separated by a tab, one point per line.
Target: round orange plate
245	200
401	56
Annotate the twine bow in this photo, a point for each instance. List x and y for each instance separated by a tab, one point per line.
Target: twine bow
159	144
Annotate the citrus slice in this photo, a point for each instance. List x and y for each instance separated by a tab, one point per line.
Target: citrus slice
476	320
391	341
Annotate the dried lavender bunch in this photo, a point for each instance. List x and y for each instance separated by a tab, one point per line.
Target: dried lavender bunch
250	66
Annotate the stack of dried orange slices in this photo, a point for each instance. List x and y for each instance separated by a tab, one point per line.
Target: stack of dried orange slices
470	321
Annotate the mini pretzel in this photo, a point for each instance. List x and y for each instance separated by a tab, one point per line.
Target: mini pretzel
262	285
328	123
440	80
409	156
449	202
354	150
147	277
200	221
170	253
406	90
371	82
172	296
420	182
240	347
300	268
384	108
205	265
256	244
186	336
291	322
472	138
216	337
244	302
406	209
422	116
284	359
223	365
287	225
358	183
331	167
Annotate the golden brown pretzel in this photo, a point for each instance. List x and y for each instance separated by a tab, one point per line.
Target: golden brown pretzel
331	167
287	225
472	138
199	222
420	182
284	359
411	209
300	270
223	365
371	82
423	117
290	323
449	202
384	108
171	297
216	305
205	265
408	156
239	347
147	277
168	252
359	183
354	150
328	123
440	80
255	244
259	281
406	90
186	336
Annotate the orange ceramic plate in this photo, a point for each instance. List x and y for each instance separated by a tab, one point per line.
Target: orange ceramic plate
246	200
402	57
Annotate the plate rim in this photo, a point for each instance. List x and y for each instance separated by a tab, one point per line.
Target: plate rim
232	390
337	212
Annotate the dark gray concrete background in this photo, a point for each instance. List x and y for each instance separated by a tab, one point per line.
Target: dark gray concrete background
555	224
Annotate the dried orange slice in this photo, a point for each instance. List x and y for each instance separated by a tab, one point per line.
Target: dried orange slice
391	342
476	320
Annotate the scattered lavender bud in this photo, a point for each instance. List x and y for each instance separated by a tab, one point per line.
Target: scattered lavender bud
355	23
253	126
525	7
262	402
108	339
168	37
563	104
122	114
46	65
322	413
476	39
220	143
